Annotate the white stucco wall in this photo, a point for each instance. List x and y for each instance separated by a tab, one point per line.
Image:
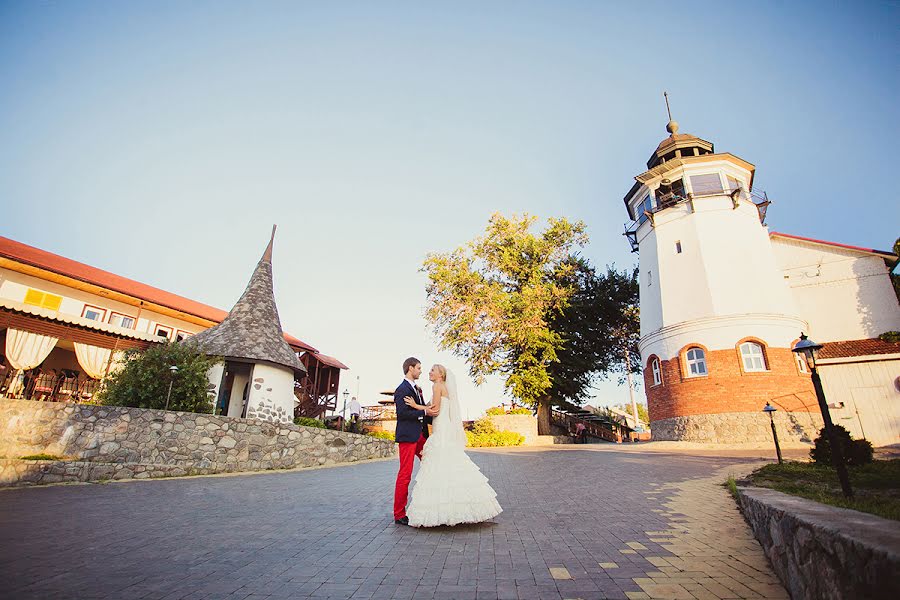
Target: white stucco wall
844	294
214	377
724	284
14	285
272	389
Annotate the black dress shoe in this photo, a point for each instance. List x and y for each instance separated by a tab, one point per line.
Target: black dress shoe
402	521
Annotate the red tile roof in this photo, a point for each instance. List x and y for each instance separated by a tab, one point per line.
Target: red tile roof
330	361
67	267
883	253
851	348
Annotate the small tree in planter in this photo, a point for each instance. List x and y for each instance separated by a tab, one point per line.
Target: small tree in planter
143	381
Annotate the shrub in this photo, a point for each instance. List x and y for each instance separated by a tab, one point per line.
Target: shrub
484	434
381	435
309	422
484	427
856	452
499	410
143	381
890	336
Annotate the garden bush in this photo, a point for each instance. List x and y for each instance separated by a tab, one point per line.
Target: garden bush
143	380
856	452
381	435
484	434
499	410
309	422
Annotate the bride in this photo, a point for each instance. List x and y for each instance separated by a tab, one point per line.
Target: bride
450	488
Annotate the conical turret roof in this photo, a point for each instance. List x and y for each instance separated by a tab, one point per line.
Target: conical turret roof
252	330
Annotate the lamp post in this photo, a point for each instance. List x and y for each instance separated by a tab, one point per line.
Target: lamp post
344	410
173	369
810	350
771	411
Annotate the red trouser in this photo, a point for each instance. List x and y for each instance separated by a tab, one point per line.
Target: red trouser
401	491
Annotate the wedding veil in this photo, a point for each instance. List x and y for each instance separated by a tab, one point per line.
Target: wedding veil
454	416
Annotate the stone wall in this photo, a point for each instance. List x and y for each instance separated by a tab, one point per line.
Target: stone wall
103	442
820	551
794	429
524	424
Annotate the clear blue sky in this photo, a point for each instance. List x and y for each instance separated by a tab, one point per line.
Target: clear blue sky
160	140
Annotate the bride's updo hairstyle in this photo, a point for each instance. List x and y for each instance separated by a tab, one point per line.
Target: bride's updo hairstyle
443	371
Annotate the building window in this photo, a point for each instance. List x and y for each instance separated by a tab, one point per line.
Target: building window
644	207
43	299
669	193
678	247
163	331
93	313
696	362
706	184
733	183
182	335
657	373
753	357
120	320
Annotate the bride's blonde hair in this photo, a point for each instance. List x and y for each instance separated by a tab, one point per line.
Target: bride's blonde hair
443	371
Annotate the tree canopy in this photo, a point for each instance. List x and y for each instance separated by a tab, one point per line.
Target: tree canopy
528	307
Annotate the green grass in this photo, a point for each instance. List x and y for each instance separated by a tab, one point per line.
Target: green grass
731	484
876	486
41	457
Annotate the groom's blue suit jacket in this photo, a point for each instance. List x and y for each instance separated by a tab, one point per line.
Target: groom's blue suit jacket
411	423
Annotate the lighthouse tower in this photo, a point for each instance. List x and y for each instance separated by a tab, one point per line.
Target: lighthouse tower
717	318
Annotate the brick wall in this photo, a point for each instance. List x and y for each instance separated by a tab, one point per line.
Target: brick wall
728	388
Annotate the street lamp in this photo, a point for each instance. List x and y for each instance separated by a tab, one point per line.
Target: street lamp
173	369
771	411
810	350
344	410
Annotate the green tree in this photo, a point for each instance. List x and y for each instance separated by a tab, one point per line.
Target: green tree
600	327
143	381
491	302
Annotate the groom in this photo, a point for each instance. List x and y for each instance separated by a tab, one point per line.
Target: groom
412	431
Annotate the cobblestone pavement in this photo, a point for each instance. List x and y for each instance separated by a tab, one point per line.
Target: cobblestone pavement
578	522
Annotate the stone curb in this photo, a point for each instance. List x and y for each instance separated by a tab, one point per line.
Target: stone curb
821	551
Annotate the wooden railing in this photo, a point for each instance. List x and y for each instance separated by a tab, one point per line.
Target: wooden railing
591	428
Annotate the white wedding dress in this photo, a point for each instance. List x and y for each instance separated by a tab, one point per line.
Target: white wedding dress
450	488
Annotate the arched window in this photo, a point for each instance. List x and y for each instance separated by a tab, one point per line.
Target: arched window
696	362
657	372
753	357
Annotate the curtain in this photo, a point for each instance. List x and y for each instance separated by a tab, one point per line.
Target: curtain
92	359
26	350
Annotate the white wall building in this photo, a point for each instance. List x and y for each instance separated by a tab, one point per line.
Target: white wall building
723	301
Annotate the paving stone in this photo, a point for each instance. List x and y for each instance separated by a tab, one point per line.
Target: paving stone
329	534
